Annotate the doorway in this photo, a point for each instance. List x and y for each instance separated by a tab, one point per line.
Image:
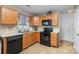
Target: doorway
67	27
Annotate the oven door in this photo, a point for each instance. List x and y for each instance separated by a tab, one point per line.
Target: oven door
45	39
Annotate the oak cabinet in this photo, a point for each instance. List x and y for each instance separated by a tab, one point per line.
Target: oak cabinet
34	21
37	21
54	19
8	16
27	41
4	46
33	38
37	36
31	20
54	39
41	19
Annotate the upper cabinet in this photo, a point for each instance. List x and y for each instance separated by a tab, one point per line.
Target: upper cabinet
8	16
43	18
31	20
53	17
35	21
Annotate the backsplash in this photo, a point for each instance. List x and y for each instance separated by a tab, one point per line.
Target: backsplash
8	29
39	29
56	29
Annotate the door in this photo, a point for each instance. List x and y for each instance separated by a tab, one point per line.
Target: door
76	34
67	27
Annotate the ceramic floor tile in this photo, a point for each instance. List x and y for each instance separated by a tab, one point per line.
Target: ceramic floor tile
64	48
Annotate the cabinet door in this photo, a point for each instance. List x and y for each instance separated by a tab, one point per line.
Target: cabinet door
31	20
9	16
36	21
48	17
41	19
25	41
29	40
54	19
33	38
37	36
14	17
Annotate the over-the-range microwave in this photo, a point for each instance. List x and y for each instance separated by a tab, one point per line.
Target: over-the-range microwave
46	22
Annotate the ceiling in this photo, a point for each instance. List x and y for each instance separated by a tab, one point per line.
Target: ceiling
42	9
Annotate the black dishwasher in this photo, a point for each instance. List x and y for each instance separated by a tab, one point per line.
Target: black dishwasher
14	44
1	47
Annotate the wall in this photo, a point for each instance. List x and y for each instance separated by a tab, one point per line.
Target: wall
76	27
67	27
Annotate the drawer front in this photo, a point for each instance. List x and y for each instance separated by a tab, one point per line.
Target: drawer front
55	42
54	36
54	39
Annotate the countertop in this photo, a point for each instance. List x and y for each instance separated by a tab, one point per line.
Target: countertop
28	33
8	35
55	31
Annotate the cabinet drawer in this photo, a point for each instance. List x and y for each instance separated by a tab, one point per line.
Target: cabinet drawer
54	35
54	42
54	38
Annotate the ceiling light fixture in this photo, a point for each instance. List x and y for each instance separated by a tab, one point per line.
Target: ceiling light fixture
28	6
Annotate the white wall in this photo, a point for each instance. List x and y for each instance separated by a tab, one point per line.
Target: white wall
76	26
67	27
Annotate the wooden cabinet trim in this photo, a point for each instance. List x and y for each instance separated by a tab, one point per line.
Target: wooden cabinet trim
4	45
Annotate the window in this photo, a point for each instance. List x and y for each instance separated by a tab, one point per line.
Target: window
23	23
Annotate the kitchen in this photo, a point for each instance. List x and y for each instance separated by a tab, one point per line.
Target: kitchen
21	28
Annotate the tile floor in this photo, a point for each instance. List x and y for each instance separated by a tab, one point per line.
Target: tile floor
64	48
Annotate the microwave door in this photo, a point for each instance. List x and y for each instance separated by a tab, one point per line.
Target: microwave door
46	23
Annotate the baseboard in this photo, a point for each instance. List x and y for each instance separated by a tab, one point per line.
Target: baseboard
66	41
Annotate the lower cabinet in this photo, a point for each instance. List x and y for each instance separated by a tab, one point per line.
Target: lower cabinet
26	41
54	39
37	36
33	38
30	38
